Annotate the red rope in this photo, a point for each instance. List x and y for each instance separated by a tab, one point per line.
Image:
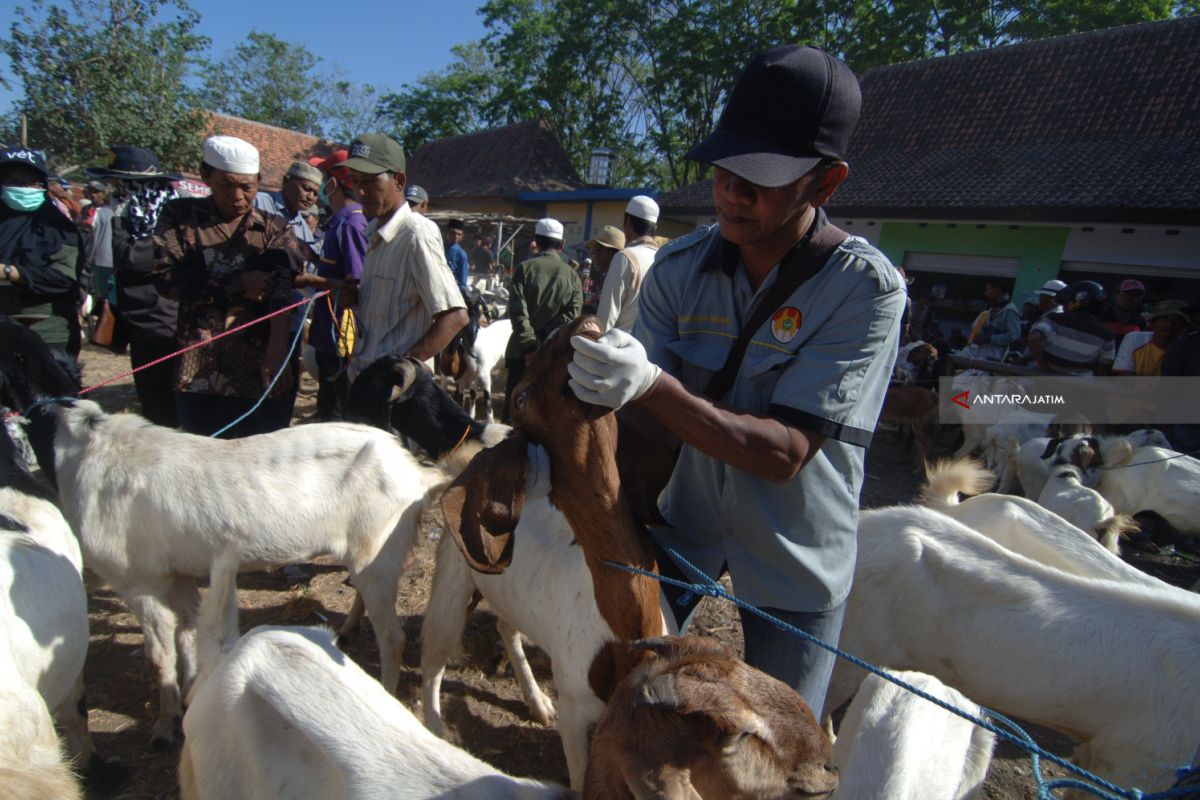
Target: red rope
198	345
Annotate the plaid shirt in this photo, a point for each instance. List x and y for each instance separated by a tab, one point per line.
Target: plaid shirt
199	261
405	284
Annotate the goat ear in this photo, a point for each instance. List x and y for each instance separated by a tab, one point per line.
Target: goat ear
483	505
1051	448
679	646
404	377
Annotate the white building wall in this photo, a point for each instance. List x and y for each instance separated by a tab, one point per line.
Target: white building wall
1175	248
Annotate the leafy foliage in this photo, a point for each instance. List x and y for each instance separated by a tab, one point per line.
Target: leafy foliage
104	72
268	80
648	78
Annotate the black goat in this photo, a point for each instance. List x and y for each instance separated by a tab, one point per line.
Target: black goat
399	394
30	369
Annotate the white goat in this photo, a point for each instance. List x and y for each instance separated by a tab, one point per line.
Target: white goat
895	745
152	507
1025	639
1066	495
43	605
1150	479
32	766
482	358
1022	526
285	714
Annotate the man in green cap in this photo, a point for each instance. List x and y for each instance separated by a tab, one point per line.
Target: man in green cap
408	303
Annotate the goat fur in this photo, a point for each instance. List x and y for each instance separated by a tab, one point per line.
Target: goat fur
932	595
43	604
152	507
1022	526
1066	495
893	744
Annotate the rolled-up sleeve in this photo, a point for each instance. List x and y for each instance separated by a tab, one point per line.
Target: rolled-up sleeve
431	275
835	384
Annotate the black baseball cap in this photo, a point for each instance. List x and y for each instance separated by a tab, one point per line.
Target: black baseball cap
25	156
791	108
374	153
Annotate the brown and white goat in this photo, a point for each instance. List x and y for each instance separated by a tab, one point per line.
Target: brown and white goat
483	505
517	524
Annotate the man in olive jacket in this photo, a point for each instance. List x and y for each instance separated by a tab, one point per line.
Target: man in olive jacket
546	293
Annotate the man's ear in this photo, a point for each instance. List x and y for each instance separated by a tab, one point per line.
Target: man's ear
401	180
830	180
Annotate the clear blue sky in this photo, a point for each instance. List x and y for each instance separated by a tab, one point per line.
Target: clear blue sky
389	44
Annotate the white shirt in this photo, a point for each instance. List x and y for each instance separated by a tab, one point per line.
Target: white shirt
618	304
405	284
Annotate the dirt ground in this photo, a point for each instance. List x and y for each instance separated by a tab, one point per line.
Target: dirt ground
484	712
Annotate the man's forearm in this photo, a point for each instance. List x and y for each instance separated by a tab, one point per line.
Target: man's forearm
443	329
762	446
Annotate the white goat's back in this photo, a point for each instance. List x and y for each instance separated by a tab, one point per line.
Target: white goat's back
893	744
32	766
174	499
933	595
288	715
43	615
1022	526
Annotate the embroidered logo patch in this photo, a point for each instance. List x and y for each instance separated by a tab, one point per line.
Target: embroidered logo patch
785	324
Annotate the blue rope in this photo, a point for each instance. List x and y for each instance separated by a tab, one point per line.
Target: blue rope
1015	735
286	363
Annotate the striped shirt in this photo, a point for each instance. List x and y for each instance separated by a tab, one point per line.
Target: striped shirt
1075	342
406	283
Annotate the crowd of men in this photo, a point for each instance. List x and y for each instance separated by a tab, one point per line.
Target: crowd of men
762	344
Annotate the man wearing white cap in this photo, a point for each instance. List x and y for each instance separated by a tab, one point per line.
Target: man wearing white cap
623	282
546	293
227	263
1045	297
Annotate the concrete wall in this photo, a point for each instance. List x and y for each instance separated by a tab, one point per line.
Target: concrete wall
1039	248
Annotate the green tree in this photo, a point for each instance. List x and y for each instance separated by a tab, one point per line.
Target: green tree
348	109
268	80
648	78
459	99
104	72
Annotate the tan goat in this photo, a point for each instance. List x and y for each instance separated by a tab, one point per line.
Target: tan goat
696	721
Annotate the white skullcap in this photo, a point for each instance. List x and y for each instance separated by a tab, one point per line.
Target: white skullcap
550	228
1051	288
643	207
231	154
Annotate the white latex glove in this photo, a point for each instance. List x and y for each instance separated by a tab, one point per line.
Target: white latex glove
612	370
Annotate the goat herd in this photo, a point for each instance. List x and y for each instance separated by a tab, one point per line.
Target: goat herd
998	600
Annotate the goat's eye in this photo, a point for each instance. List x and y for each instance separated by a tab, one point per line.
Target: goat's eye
519	402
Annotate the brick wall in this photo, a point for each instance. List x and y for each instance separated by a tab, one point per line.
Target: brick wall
277	147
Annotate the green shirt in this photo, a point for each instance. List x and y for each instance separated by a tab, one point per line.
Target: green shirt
546	293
